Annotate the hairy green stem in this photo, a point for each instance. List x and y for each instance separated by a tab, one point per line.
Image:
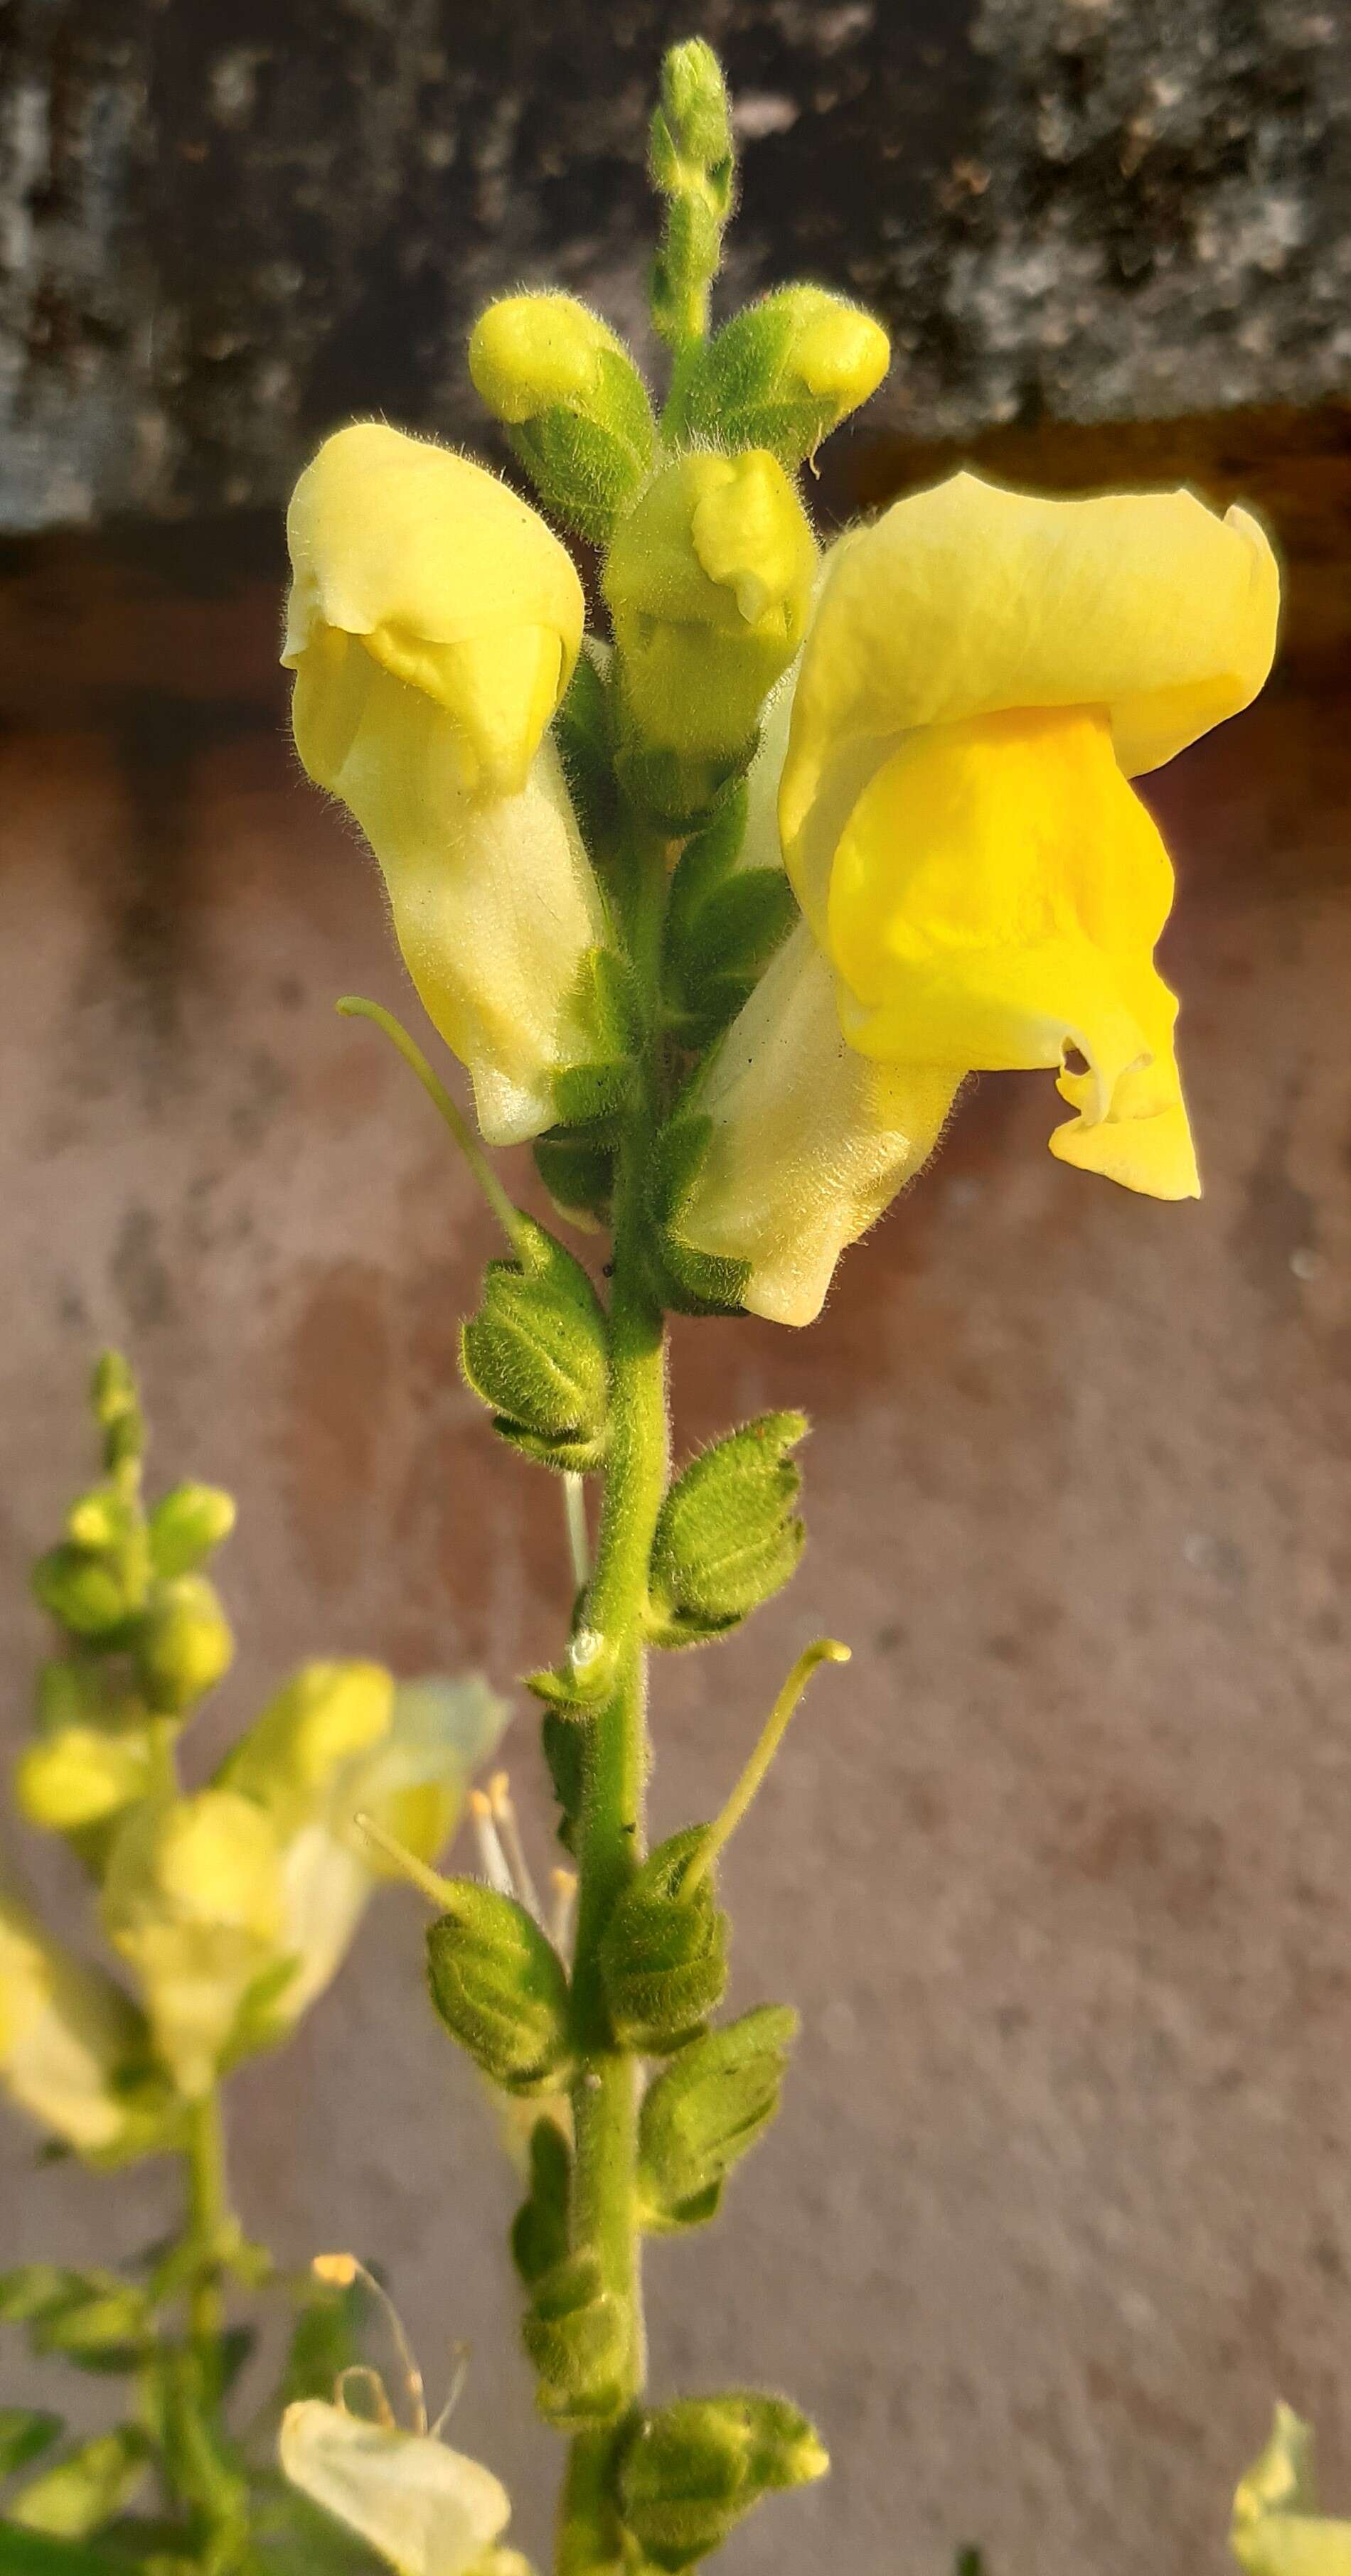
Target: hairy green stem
609	1838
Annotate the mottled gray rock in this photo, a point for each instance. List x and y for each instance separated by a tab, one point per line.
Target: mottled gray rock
225	225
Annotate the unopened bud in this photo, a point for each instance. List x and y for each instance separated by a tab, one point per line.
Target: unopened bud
499	1987
187	1524
695	131
664	1951
709	583
693	2469
727	1537
81	1775
572	401
88	1591
785	372
183	1646
537	1353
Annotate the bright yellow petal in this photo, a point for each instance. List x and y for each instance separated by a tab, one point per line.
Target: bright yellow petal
967	599
1143	1139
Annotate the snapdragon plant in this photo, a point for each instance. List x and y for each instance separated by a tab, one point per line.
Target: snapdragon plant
719	904
225	1910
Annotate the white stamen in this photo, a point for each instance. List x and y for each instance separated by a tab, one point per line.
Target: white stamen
491	1854
505	1819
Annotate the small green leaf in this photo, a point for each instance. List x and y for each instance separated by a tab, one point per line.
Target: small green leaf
87	2488
539	2235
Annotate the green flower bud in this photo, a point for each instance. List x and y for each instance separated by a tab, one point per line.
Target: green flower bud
709	583
727	1537
539	2234
187	1524
663	1953
573	403
692	126
692	2470
101	1520
499	1987
785	372
574	2333
80	1775
90	1593
537	1353
714	2100
183	1646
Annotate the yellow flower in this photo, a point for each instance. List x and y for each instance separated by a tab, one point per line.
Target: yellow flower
1277	2529
68	2038
194	1902
985	672
434	624
801	1142
414	565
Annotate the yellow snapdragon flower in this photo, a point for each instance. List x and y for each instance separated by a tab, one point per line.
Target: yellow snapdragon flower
985	672
433	626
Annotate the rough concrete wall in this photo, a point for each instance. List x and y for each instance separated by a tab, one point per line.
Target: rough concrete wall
225	224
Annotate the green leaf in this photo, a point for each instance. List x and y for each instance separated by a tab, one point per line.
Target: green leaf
25	2433
37	2553
539	2235
87	2488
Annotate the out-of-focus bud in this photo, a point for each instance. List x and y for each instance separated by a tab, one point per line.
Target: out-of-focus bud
500	1987
81	1775
69	2038
117	1410
537	1352
1277	2529
91	2486
187	1525
193	1901
727	1537
88	1591
709	583
787	1147
183	1645
573	402
664	1950
784	372
425	2509
691	2470
717	2096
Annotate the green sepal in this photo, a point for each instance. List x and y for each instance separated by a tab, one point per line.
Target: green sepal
691	2471
680	791
582	736
727	1537
537	1353
663	1953
500	1987
690	1282
578	1171
604	1005
723	924
183	1645
563	1743
717	2096
587	469
187	1525
25	2433
574	2332
539	2232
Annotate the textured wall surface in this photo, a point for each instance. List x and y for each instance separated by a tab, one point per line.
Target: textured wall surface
1057	1872
226	224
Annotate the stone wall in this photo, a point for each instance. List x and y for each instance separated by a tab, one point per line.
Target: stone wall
226	224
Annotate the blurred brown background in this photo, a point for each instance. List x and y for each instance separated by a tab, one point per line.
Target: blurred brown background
1058	1871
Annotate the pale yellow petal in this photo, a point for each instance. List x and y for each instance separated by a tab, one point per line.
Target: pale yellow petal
427	2510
